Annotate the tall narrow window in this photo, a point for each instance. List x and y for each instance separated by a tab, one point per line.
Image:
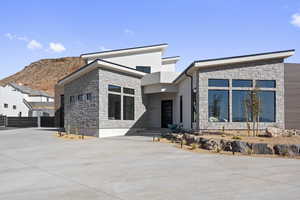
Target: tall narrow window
218	105
114	107
5	105
128	108
181	109
14	107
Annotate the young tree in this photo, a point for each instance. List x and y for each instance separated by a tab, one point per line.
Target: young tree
253	107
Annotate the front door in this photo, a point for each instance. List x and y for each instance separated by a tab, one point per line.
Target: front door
166	113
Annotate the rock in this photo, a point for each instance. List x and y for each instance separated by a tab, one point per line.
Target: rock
281	149
261	148
226	145
294	149
190	139
273	131
239	146
210	144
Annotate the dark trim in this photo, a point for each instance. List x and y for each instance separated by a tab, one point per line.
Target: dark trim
192	103
242	56
170	57
123	49
87	65
225	58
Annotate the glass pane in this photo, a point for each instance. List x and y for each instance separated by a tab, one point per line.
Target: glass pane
128	108
241	106
114	88
268	106
218	83
266	84
114	106
145	69
218	105
88	96
128	90
241	83
80	97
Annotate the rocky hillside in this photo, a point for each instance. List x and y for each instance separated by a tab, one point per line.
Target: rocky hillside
44	74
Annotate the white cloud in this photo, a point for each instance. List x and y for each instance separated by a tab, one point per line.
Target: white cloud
56	47
33	44
103	48
296	19
11	36
129	32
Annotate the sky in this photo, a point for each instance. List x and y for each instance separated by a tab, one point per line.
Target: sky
194	29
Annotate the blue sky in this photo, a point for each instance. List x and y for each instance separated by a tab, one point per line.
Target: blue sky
32	30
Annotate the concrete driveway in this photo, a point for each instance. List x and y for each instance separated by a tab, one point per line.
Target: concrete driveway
36	165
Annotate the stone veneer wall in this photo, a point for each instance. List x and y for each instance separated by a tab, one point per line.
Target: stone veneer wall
83	115
107	77
262	70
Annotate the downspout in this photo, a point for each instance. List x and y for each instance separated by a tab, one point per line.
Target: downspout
192	106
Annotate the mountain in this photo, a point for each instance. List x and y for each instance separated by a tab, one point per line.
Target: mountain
44	74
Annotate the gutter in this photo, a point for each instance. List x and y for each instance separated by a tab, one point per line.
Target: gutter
192	107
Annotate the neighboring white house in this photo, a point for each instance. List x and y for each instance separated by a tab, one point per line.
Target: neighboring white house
31	95
20	100
12	102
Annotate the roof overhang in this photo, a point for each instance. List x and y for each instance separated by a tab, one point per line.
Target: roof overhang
123	52
196	65
170	60
100	64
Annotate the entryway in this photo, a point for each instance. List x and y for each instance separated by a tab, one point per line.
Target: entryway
166	113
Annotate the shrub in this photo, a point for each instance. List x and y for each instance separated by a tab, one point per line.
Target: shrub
236	137
193	146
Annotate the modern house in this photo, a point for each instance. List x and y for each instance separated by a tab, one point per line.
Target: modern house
22	101
121	91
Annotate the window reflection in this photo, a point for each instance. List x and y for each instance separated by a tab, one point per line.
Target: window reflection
218	105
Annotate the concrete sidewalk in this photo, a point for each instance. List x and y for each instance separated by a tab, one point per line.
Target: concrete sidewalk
36	165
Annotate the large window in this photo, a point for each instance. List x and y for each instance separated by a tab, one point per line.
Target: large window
266	83
240	108
114	107
218	105
268	106
218	83
145	69
128	108
241	83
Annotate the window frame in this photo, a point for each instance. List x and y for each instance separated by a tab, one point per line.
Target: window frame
125	117
119	107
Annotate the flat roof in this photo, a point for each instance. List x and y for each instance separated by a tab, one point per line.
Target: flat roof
237	59
139	48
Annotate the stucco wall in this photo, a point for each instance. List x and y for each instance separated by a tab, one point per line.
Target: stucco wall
154	108
109	77
184	90
263	70
83	115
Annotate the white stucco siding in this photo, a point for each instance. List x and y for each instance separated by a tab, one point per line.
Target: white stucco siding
184	90
169	67
12	98
151	59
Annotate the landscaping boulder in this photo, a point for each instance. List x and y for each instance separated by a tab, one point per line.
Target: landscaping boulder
294	149
273	132
281	149
189	138
261	148
210	144
291	132
239	146
225	145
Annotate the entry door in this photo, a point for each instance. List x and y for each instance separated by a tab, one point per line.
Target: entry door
166	113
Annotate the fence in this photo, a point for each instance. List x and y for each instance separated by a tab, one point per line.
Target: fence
2	120
24	122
